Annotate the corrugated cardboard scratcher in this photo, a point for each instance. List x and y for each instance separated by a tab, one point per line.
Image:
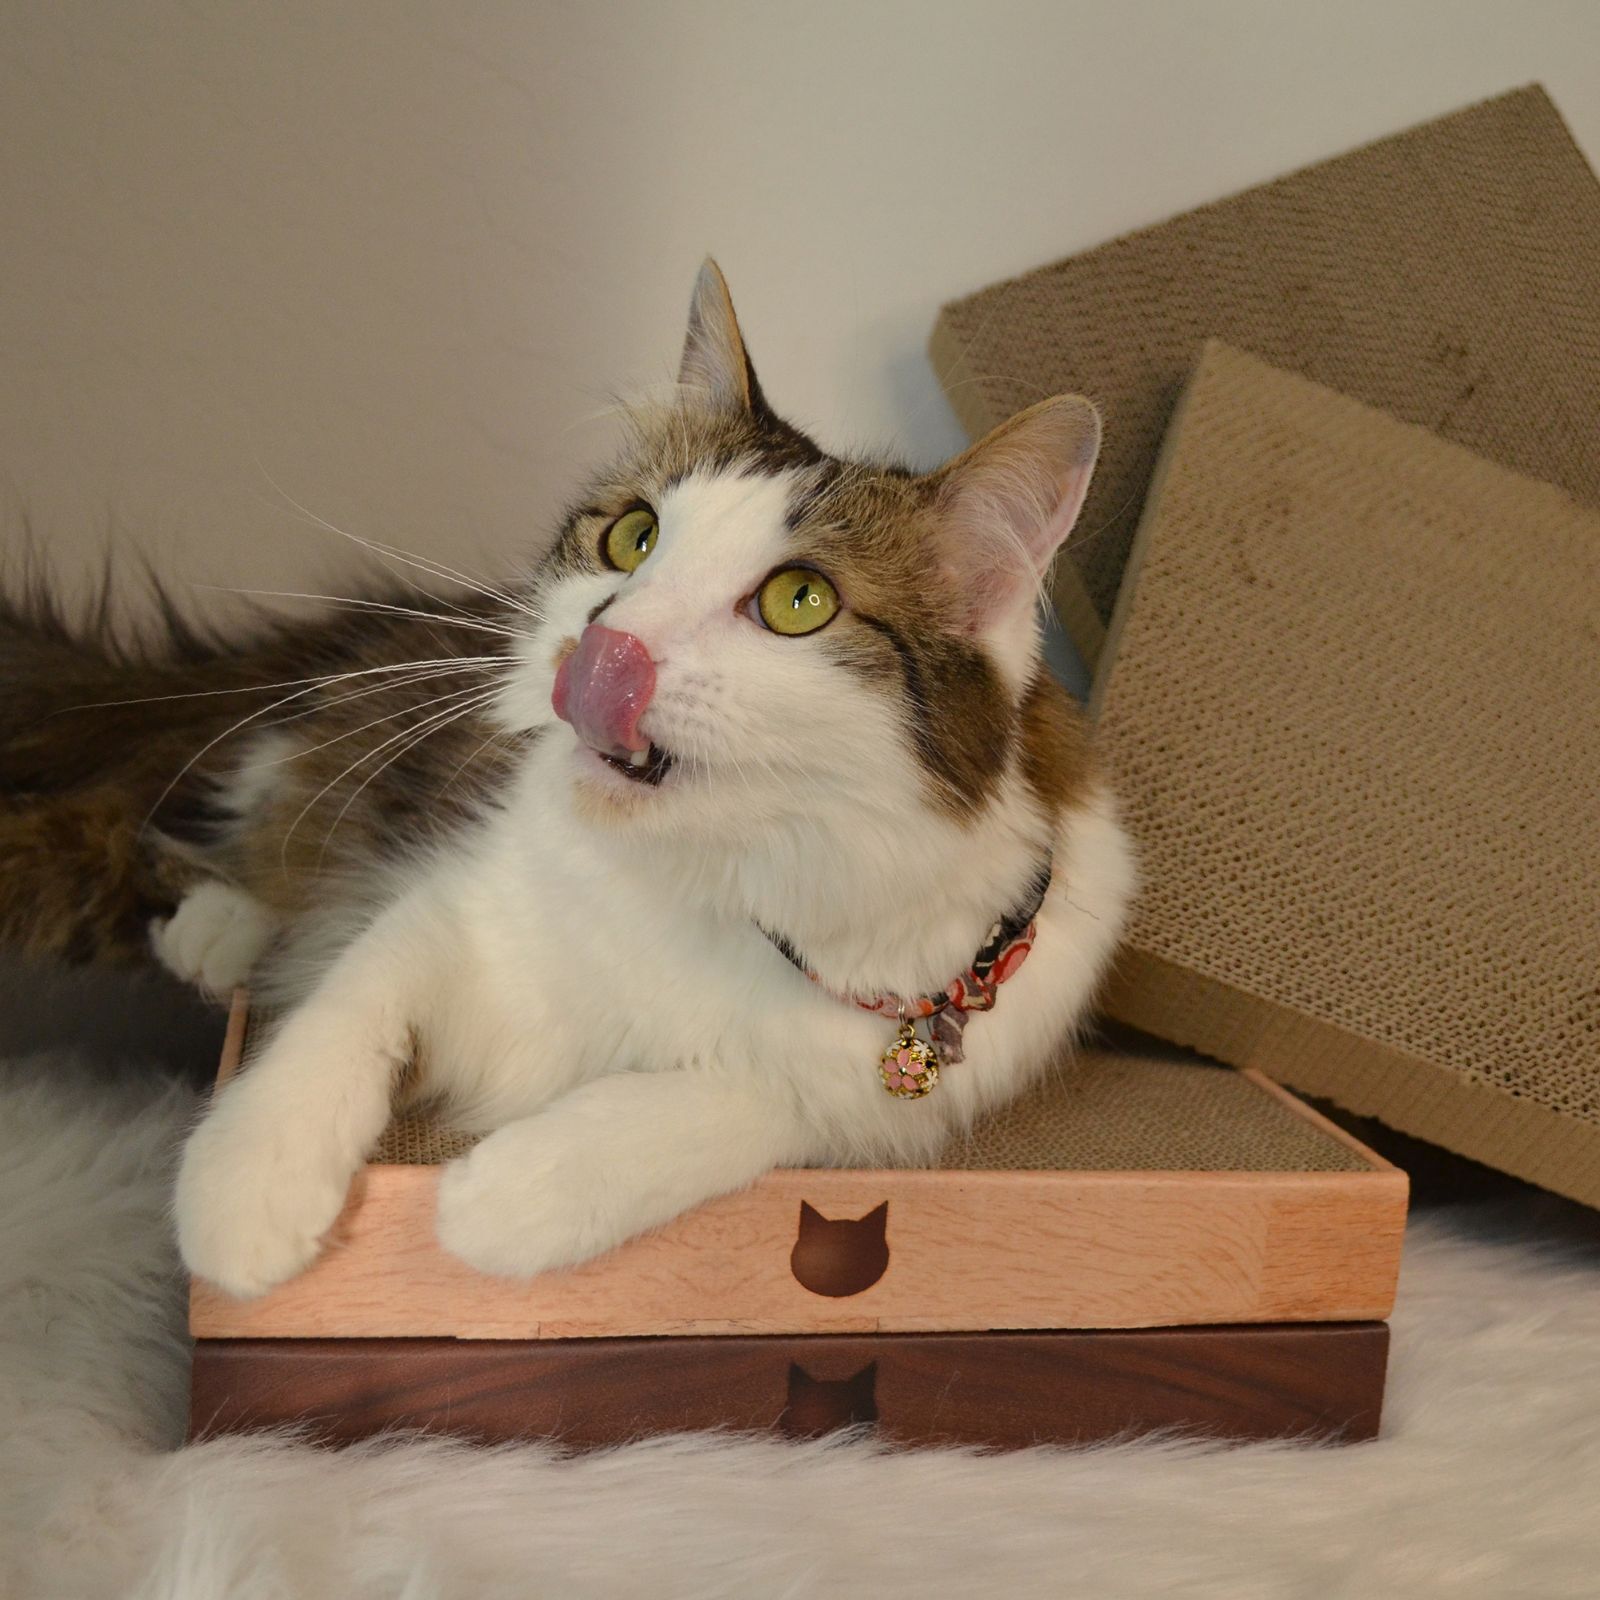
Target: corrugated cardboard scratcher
1351	701
1449	275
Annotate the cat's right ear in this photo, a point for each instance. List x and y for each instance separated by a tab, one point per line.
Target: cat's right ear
715	361
1010	501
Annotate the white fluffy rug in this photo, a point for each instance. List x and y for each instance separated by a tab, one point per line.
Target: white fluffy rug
1487	1483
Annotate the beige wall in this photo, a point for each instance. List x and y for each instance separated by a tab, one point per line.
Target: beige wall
390	259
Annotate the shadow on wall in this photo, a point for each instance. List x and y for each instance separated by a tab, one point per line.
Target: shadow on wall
110	1018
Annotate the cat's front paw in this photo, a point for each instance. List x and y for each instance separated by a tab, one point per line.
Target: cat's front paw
214	938
252	1205
518	1204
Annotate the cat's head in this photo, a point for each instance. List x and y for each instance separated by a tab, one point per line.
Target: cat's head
737	627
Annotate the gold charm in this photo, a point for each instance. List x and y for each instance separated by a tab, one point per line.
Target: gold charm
910	1067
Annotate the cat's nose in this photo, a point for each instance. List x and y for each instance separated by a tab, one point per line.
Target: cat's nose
602	689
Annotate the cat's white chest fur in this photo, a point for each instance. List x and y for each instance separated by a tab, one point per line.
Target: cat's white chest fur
551	966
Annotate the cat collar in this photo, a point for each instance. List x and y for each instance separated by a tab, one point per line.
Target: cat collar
910	1065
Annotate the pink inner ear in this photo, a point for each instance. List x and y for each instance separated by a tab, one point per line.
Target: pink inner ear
1011	501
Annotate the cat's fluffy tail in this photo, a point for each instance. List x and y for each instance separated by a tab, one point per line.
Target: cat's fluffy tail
93	733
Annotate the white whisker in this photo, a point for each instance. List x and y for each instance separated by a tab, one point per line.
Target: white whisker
361	760
437	569
399	711
468	760
264	688
356	603
312	686
413	736
388	684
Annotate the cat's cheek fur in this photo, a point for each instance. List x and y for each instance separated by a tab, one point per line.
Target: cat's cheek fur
523	701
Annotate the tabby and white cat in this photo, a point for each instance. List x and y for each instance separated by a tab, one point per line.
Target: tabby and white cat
771	741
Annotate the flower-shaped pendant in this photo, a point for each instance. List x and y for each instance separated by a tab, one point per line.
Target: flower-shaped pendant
910	1067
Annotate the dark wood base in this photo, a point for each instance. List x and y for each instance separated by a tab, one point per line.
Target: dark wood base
999	1389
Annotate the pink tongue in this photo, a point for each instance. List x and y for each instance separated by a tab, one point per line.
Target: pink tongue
602	689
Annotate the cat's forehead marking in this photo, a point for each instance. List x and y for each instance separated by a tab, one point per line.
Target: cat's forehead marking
671	442
728	521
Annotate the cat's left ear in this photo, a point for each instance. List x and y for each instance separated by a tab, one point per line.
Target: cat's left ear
715	361
1007	505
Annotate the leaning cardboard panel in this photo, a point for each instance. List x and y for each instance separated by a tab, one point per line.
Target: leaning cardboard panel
1351	698
1450	275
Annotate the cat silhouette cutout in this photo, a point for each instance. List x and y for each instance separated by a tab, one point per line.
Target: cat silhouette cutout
839	1257
819	1405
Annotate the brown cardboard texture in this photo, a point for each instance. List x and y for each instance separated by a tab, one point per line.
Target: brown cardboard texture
1450	275
1351	702
1123	1104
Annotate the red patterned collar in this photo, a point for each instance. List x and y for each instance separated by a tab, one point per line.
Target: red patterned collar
999	957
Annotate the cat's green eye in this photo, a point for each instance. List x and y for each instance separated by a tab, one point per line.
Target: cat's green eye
797	600
629	539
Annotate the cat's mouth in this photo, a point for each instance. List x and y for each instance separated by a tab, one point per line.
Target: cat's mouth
643	766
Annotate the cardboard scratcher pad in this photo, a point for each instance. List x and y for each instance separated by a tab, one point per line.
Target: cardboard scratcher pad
1128	1106
1351	700
1450	275
1139	1187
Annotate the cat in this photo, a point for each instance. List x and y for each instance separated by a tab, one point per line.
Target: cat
765	739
